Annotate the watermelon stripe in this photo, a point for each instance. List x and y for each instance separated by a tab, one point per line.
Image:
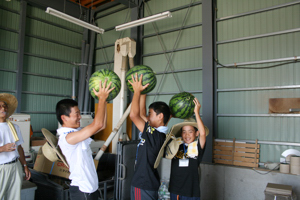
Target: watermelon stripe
182	105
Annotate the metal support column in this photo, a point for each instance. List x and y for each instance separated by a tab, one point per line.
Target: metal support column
87	96
136	34
208	75
21	39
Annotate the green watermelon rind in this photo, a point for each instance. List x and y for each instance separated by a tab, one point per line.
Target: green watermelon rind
182	105
148	77
101	75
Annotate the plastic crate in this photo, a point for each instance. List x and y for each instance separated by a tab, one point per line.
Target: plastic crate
28	190
47	189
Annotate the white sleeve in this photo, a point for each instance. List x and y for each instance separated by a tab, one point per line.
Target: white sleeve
21	141
62	142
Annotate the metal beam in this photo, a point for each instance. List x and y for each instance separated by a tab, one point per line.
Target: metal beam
46	94
87	96
295	58
258	11
20	54
261	142
259	36
258	115
67	7
208	75
127	3
260	88
174	50
106	6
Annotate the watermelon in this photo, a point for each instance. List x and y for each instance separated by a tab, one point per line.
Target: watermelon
101	75
182	105
148	77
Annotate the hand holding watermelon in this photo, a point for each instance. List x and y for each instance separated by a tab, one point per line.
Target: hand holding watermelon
102	75
148	77
104	91
137	83
197	106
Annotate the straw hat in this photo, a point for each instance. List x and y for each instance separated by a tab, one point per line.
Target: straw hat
11	101
171	145
176	129
50	149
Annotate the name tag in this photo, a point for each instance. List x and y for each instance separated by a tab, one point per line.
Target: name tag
183	162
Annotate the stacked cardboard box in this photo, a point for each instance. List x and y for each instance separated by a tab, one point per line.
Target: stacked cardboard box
278	192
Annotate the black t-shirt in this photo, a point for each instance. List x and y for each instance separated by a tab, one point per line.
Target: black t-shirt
145	176
185	180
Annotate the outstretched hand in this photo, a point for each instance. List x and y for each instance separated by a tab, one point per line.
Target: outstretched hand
197	106
137	83
104	90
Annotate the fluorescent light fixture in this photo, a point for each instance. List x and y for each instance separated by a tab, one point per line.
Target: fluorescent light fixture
145	20
74	20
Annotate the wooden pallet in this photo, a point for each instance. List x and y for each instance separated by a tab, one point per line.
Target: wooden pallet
234	153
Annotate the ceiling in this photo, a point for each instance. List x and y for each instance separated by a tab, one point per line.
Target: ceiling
91	3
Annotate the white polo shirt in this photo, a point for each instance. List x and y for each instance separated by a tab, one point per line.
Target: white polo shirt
7	137
79	157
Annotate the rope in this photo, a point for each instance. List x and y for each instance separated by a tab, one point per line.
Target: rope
169	58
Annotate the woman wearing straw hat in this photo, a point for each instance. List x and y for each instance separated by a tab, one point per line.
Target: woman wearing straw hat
74	143
11	151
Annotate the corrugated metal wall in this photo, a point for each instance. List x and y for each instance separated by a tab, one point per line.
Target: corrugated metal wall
250	31
9	15
181	34
246	31
105	44
50	46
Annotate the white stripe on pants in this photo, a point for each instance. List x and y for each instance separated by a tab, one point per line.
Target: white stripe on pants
11	181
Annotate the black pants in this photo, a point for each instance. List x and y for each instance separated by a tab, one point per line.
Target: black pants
76	194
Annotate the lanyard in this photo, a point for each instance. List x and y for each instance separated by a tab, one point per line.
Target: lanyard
185	150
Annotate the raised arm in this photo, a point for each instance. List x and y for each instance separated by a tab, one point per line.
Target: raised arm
105	118
143	110
201	129
99	120
135	114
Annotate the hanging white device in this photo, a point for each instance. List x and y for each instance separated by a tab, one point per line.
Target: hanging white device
143	21
74	20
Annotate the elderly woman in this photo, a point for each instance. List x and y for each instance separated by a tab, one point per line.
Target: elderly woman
12	156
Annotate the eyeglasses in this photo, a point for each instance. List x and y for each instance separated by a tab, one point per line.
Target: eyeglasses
3	106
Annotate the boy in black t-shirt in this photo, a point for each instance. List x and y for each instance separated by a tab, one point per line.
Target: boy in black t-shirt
145	181
184	178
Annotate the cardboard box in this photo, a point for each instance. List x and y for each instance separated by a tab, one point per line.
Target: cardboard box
58	168
37	141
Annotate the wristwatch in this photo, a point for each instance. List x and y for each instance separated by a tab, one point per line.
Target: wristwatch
24	165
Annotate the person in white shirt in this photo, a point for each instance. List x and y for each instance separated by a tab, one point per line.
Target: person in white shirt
74	143
11	152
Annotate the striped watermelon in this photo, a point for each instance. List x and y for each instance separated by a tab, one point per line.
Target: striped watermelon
148	77
182	105
101	75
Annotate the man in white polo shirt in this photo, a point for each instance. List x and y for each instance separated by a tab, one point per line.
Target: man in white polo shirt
74	143
11	151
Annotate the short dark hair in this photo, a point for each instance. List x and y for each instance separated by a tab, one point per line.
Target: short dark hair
161	107
63	107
